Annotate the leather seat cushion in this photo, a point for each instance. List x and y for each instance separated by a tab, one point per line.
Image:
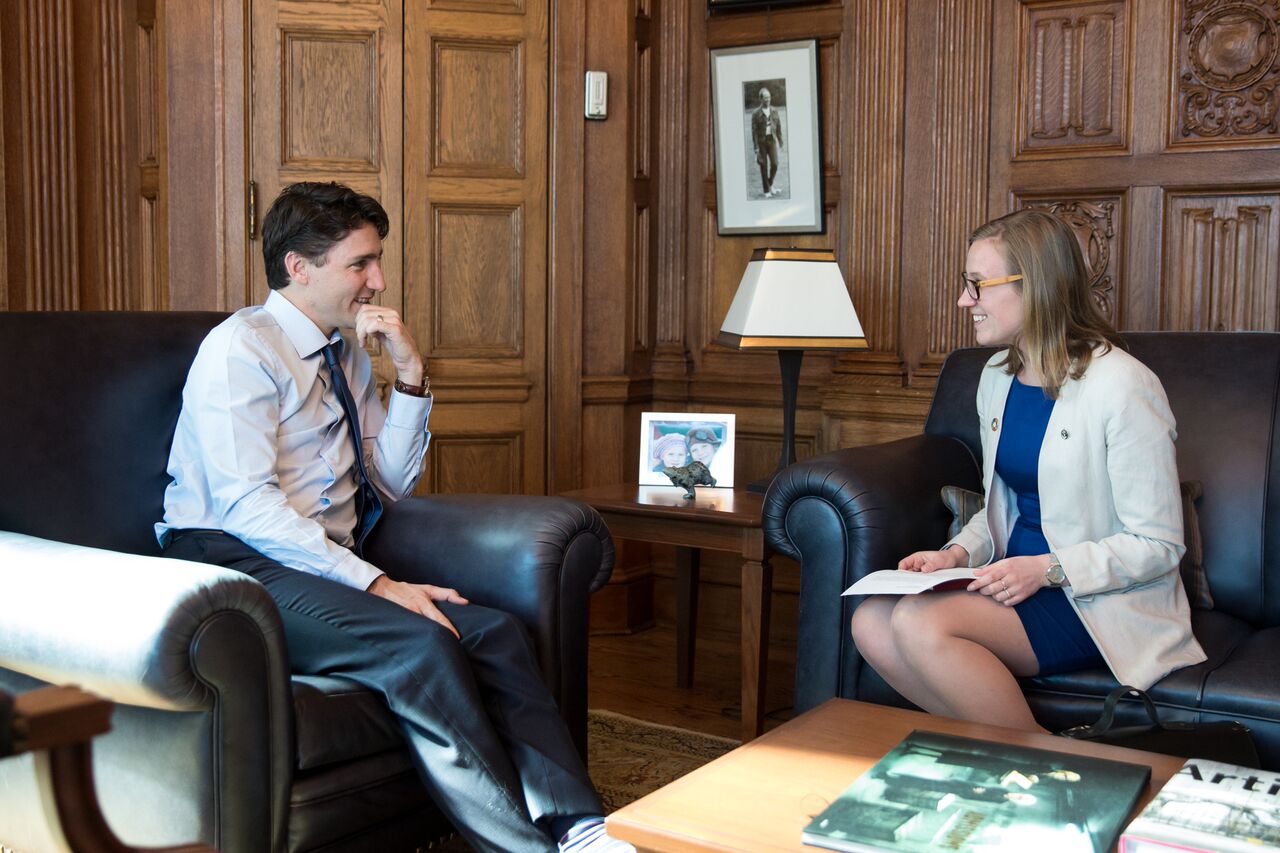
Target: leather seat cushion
339	720
1221	635
1247	685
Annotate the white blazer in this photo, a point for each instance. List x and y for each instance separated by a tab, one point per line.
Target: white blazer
1110	509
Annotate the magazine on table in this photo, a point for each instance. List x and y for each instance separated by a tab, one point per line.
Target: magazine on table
898	582
941	792
1210	807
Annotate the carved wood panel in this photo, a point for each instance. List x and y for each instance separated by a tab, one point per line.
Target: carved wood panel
477	108
1074	86
329	99
477	281
1098	223
473	463
1220	262
1225	73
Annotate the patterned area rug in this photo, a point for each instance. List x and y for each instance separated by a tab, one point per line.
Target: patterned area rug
629	758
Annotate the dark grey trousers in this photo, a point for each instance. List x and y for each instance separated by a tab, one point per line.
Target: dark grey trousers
490	744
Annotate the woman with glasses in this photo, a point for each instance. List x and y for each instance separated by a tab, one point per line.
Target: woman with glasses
1079	543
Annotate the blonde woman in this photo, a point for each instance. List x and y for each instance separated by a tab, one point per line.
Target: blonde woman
1079	542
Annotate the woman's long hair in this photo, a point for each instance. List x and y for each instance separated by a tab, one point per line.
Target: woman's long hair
1061	324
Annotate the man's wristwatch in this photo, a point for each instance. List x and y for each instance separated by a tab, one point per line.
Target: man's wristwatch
414	390
1054	574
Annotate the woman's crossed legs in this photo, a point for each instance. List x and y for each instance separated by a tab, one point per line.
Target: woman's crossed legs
952	653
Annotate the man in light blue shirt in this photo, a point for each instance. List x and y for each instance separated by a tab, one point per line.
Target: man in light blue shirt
267	481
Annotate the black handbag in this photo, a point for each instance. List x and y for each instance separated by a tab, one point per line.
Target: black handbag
1228	740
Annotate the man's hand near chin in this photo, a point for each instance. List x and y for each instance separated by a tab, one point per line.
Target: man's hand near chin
418	597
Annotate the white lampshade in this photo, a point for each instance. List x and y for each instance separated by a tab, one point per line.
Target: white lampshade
792	299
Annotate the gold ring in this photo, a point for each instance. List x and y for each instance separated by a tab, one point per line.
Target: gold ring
1004	585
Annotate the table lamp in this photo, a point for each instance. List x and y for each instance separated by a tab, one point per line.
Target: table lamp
791	300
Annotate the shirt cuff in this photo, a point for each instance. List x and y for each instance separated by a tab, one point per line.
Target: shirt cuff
406	411
355	572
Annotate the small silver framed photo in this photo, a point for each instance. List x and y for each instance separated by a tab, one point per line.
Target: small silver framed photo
675	439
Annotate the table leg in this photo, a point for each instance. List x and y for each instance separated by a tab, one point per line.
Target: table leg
688	565
757	586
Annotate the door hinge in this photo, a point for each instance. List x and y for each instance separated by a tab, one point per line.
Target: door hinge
251	203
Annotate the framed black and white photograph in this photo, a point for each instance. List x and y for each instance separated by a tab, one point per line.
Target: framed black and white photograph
768	164
677	439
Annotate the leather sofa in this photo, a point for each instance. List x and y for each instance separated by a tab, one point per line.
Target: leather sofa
212	739
853	511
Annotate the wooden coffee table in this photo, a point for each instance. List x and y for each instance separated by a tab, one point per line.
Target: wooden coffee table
761	796
718	519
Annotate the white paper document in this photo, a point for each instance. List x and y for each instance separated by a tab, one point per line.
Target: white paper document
896	582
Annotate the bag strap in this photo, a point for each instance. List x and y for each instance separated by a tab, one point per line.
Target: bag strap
1104	723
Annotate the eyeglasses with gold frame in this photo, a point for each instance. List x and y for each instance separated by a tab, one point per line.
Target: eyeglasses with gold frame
972	285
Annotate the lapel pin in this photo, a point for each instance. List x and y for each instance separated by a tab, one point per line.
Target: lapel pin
995	424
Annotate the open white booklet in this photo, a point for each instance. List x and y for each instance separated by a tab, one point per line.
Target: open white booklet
896	582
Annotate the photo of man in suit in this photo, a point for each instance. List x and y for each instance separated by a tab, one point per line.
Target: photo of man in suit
767	139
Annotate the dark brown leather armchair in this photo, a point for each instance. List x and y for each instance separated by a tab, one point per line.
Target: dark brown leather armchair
212	739
854	511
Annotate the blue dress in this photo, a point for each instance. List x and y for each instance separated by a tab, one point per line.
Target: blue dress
1058	637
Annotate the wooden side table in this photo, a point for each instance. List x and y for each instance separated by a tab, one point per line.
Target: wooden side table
718	519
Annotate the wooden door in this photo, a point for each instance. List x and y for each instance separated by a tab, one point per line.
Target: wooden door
1151	127
475	95
325	105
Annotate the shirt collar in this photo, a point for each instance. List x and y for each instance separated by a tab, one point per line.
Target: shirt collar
305	335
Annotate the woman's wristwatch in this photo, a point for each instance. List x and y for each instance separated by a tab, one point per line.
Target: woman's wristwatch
1054	574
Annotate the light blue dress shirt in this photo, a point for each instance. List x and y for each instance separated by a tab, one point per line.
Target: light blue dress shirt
262	451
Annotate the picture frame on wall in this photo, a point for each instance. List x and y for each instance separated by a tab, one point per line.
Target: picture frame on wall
675	439
765	117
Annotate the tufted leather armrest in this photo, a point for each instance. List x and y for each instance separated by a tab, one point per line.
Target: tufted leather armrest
538	558
845	514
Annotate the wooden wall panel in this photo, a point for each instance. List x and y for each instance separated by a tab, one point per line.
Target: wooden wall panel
475	94
477	108
329	97
477	283
73	211
327	106
484	464
1221	256
1075	84
1225	74
875	104
961	114
49	168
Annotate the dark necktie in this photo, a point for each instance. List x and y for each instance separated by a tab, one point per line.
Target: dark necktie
368	504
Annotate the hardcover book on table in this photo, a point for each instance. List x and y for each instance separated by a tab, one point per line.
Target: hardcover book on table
1210	807
941	792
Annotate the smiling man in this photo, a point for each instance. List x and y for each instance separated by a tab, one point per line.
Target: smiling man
282	462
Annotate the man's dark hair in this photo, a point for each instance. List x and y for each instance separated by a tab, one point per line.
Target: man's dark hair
308	218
